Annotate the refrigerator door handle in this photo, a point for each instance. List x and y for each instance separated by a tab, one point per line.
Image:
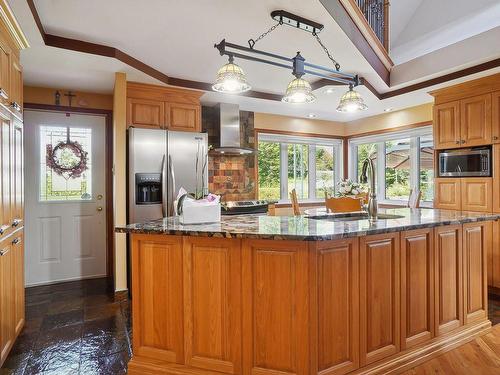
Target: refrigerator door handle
172	210
163	185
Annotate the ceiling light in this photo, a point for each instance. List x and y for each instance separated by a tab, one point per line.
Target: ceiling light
298	91
330	90
231	79
388	109
351	101
311	115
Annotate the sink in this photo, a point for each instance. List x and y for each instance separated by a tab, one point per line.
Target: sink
353	216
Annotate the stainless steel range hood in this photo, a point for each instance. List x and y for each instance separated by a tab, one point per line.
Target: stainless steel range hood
230	131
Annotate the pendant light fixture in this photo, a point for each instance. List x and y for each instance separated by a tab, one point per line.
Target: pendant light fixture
351	101
232	79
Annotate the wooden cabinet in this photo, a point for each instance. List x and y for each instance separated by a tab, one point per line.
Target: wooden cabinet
5	71
212	304
18	263
16	89
379	297
467	194
495	117
477	243
150	106
158	299
417	287
5	174
7	299
448	266
446	125
17	169
493	257
496	178
475	120
275	287
447	193
146	113
338	338
184	117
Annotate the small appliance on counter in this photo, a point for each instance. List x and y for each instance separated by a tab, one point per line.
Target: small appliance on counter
246	207
465	162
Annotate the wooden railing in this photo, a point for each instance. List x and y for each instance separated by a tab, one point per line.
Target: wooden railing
376	13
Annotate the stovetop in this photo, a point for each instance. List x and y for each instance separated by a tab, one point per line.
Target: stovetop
245	207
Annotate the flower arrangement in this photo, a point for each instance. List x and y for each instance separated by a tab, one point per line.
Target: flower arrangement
347	188
67	159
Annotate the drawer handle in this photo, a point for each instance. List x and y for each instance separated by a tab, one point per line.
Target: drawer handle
3	94
15	223
457	142
495	138
16	240
16	106
2	231
4	251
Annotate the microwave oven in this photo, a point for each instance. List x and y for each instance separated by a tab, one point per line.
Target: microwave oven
468	162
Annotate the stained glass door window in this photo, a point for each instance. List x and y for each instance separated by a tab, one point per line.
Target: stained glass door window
65	164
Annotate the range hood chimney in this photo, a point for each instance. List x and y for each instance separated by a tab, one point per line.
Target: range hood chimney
230	131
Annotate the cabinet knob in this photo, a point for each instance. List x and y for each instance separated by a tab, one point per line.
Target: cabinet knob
16	106
16	240
495	138
463	141
457	142
15	223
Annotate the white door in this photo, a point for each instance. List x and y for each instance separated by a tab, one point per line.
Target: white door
65	203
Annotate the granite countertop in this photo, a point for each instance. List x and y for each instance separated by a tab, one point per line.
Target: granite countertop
307	229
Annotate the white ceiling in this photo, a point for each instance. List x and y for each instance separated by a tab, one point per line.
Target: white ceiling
177	37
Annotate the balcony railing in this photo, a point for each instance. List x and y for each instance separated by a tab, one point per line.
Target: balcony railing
376	13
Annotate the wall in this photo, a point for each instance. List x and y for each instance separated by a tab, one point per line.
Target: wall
391	120
265	121
45	95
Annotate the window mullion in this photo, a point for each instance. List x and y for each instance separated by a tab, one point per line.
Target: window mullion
414	163
380	170
312	171
283	171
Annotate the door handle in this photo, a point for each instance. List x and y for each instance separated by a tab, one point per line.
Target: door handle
172	178
99	208
163	187
99	197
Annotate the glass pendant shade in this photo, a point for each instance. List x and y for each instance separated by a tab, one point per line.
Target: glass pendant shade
231	79
299	91
351	101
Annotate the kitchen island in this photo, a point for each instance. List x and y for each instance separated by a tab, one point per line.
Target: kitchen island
268	295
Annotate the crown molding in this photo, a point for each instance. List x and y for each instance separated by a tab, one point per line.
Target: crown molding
12	25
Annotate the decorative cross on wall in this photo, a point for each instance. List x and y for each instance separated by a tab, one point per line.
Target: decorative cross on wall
70	96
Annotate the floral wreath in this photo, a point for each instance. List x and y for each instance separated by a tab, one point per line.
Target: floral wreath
67	159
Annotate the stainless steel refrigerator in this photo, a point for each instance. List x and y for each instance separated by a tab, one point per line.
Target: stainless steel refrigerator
160	162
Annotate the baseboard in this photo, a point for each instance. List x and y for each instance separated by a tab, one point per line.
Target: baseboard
392	365
65	280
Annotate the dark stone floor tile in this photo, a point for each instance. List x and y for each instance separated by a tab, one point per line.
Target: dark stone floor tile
15	364
32	325
99	299
60	337
37	311
24	343
44	289
36	299
62	320
72	293
63	287
65	304
102	311
115	364
97	286
107	336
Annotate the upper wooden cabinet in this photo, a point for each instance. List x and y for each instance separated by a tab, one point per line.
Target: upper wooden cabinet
475	120
496	178
16	87
159	107
447	125
495	117
5	72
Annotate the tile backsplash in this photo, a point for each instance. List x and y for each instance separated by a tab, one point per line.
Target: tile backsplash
233	177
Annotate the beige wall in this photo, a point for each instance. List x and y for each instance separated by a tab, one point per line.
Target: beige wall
45	95
300	125
120	177
391	120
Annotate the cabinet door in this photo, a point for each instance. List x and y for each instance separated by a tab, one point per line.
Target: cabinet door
16	90
275	285
5	72
157	304
417	287
7	300
338	306
212	304
17	196
496	178
18	279
477	194
475	120
184	117
448	278
447	193
493	258
145	113
446	124
379	297
477	242
495	117
5	176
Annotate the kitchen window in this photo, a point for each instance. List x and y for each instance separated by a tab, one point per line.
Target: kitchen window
312	166
407	163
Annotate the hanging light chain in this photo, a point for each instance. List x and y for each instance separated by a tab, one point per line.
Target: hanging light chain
335	63
251	42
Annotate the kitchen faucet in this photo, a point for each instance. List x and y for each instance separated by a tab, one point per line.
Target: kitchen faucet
372	199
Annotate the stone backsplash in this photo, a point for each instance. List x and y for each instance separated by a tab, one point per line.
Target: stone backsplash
233	177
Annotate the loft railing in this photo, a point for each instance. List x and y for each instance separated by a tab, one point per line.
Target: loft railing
376	13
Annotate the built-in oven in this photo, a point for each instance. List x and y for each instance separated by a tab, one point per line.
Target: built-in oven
466	162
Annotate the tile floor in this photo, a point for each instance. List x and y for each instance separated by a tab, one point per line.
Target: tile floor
83	328
73	328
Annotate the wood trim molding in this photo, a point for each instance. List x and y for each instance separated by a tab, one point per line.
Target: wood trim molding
341	16
298	134
108	114
12	25
390	130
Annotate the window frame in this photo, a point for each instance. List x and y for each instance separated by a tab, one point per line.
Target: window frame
380	139
284	140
